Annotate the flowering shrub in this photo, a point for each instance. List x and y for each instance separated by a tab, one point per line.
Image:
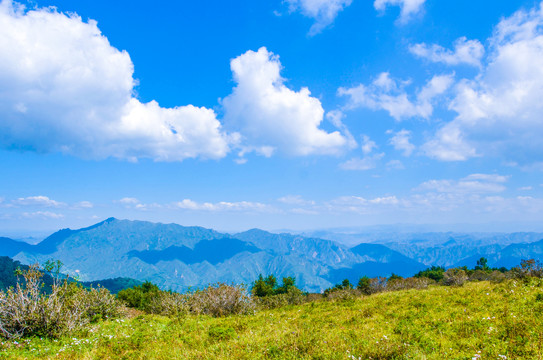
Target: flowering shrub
26	311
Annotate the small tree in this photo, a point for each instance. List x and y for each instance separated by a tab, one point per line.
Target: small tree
264	286
364	285
482	264
288	283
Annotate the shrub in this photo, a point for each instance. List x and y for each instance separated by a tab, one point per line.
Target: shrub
343	295
479	275
168	303
294	296
408	283
140	296
25	311
364	285
221	300
435	273
377	285
268	286
454	277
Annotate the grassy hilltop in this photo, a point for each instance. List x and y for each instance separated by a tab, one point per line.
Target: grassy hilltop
480	320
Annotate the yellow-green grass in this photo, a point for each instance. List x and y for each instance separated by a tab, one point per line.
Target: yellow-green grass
479	320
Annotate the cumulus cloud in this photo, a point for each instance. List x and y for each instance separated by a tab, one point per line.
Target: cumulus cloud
409	8
499	111
400	141
469	52
271	116
323	12
385	93
42	201
64	88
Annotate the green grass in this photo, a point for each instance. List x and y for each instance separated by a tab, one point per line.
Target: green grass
478	319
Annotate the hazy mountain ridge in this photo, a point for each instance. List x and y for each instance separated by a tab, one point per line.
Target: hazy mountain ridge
178	257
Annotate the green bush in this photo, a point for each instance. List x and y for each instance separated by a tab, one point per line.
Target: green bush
435	273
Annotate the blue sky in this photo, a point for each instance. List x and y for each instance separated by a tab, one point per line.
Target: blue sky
294	114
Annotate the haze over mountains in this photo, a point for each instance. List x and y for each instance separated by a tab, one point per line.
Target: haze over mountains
178	257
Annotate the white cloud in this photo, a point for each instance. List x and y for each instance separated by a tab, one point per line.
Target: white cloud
64	88
465	51
40	200
525	188
400	141
409	8
499	112
270	115
42	215
385	93
395	165
357	204
472	184
368	162
336	118
188	204
368	145
449	144
323	12
295	200
84	205
488	177
129	201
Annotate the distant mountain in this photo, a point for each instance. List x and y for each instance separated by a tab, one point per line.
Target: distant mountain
380	261
178	257
8	278
10	247
509	256
113	285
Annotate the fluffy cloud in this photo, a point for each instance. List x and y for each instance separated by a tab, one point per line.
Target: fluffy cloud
499	112
64	88
41	201
465	51
322	11
408	7
400	141
273	117
385	93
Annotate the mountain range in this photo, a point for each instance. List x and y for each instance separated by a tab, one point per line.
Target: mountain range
179	257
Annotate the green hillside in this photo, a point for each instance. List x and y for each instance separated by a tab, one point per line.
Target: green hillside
480	320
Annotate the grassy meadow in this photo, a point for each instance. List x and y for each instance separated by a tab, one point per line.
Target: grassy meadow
479	320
